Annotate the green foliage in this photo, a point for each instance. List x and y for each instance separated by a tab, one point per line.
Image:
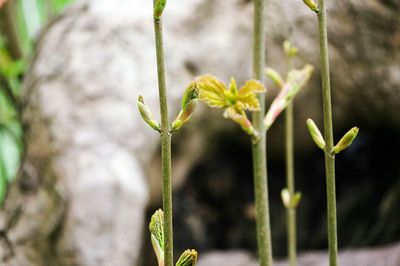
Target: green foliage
10	126
28	22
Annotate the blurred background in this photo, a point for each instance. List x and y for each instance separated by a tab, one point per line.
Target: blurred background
74	152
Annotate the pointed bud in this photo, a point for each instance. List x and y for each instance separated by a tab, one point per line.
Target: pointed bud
285	195
156	228
289	49
312	5
189	104
295	200
191	93
147	115
159	8
188	258
346	140
184	115
275	77
315	133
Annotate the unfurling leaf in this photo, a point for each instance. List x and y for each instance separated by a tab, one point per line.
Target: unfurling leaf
147	115
346	140
312	5
296	80
156	228
188	258
189	104
159	8
215	93
315	134
275	77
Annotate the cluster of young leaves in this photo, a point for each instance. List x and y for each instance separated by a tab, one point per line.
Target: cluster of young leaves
236	102
156	227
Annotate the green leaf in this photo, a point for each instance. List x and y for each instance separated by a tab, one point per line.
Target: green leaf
10	154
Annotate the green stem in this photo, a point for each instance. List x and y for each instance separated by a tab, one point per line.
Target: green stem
328	132
291	212
259	148
165	146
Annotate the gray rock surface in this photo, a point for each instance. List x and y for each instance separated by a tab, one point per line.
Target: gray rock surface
384	256
82	192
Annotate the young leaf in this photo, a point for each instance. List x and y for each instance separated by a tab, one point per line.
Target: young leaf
346	140
188	258
296	80
156	228
315	134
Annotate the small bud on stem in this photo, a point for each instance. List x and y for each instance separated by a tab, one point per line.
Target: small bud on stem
147	115
315	134
156	228
189	104
312	5
346	140
159	8
290	201
188	258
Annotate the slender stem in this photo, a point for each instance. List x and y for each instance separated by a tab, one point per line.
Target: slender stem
328	132
259	148
165	146
8	17
291	212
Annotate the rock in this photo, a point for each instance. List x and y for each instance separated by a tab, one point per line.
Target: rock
385	256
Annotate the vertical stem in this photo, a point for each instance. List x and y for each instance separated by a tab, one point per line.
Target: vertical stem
328	132
165	146
8	15
259	148
291	212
